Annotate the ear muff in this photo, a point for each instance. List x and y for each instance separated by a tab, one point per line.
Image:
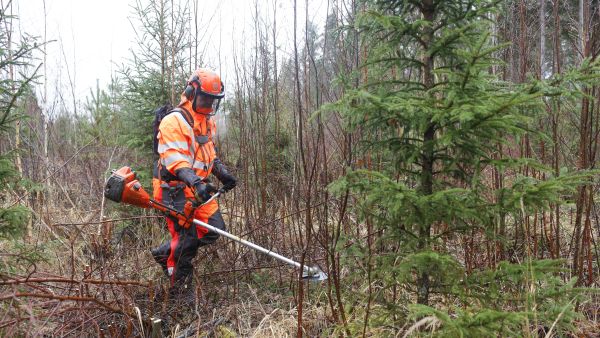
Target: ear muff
196	95
189	90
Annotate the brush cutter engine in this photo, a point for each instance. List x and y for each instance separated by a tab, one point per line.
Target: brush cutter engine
123	187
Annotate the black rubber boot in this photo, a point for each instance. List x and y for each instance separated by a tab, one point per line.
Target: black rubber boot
161	254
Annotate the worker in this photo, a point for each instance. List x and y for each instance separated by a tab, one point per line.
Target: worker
187	156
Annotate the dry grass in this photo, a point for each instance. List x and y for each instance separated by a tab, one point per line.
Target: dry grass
246	303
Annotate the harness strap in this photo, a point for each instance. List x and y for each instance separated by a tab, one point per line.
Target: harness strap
163	173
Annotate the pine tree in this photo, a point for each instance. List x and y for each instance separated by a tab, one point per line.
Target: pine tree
433	113
105	119
155	73
13	217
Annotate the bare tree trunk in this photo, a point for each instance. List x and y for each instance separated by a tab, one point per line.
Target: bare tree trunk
581	27
542	38
44	118
522	230
172	70
300	296
196	42
585	139
163	46
555	119
545	235
275	76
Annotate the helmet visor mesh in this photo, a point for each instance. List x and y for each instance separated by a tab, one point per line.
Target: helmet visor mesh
206	102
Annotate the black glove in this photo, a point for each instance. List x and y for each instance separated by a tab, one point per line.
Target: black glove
220	171
202	191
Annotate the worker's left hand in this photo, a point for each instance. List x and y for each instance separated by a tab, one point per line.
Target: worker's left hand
229	181
220	171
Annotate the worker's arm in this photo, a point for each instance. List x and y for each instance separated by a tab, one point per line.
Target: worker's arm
174	140
189	177
220	171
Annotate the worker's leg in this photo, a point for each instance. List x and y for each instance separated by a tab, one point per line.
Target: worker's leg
182	291
183	252
210	237
183	246
209	213
161	255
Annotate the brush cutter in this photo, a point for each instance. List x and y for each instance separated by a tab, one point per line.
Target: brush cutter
123	187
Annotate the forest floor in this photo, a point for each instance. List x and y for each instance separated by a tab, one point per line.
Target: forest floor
111	286
114	287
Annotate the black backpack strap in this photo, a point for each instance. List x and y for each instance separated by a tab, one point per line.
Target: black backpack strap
186	115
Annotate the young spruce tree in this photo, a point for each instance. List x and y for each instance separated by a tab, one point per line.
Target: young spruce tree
434	114
155	73
14	57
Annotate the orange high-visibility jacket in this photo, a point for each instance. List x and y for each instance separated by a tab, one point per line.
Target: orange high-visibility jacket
183	146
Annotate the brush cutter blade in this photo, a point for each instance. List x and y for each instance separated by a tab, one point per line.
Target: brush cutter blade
314	274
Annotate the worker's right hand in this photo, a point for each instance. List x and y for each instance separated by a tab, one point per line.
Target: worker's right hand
203	191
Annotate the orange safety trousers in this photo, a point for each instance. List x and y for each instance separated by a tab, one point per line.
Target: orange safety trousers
175	256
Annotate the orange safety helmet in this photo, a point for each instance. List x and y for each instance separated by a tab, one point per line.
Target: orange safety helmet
203	89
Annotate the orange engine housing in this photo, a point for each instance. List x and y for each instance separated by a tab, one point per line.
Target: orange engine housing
123	187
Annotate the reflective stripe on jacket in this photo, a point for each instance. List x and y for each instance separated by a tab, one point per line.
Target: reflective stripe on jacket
183	146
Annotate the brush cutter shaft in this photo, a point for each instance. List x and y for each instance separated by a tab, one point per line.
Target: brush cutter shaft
286	260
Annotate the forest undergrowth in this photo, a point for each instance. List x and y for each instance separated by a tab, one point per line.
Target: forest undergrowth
116	287
239	293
